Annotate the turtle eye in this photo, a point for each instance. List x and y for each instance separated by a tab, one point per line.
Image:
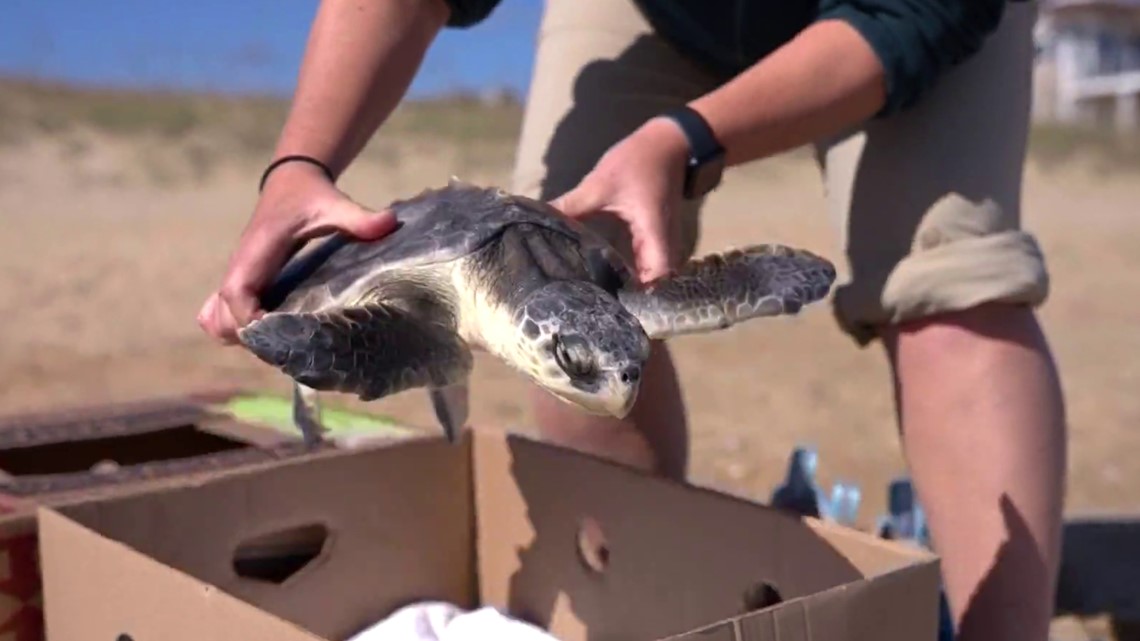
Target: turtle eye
573	356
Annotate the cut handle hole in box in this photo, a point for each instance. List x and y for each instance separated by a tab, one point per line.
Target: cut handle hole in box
593	549
761	595
276	556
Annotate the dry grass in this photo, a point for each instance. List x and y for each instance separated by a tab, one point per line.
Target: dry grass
207	128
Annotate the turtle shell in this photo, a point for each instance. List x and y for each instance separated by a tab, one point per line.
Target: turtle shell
436	226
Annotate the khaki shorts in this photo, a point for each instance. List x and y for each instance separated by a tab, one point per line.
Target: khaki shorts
926	203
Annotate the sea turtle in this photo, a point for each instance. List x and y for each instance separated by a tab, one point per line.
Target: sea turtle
473	267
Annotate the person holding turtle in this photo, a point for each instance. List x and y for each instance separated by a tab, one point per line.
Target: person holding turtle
919	113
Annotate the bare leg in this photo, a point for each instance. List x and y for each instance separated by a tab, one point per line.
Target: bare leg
983	428
654	437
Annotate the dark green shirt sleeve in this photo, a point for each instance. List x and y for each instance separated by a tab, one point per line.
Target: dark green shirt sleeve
467	13
917	40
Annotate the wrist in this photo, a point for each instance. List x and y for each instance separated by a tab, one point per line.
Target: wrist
694	146
669	139
297	165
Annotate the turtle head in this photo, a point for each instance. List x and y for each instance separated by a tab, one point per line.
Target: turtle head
577	341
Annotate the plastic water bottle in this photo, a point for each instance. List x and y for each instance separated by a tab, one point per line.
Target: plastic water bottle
844	504
905	519
799	492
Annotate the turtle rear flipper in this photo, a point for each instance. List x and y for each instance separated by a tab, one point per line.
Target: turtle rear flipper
450	404
306	414
372	351
719	290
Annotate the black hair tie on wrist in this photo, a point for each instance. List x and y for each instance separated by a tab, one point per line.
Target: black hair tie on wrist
284	159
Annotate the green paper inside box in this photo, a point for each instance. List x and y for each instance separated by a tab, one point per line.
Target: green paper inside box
276	412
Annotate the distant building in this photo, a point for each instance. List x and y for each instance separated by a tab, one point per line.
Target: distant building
1088	68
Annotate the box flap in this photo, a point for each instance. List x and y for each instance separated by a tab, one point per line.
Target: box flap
398	521
871	554
675	557
100	589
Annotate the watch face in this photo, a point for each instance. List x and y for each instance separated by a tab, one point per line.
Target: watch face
705	177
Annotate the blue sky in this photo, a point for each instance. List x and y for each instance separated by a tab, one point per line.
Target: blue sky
233	45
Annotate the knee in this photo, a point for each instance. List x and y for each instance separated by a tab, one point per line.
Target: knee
965	272
985	285
960	331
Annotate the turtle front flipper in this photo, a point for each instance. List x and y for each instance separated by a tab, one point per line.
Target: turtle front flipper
719	290
371	351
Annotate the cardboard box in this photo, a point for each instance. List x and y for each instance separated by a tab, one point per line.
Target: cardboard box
325	547
87	450
64	455
83	451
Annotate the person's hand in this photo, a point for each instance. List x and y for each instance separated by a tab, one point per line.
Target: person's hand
298	203
638	180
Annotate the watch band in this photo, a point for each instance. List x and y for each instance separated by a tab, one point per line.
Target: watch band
704	148
702	140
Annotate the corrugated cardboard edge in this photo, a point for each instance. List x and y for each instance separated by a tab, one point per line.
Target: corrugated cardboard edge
121	574
907	555
864	610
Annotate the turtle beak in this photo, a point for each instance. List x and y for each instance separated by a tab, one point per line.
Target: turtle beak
624	386
623	404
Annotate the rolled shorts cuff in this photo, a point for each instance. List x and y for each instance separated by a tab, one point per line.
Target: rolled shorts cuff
1006	267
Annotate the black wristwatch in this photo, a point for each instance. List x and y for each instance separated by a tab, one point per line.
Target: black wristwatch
705	165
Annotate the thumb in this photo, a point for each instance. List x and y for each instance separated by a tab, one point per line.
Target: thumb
355	220
577	202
